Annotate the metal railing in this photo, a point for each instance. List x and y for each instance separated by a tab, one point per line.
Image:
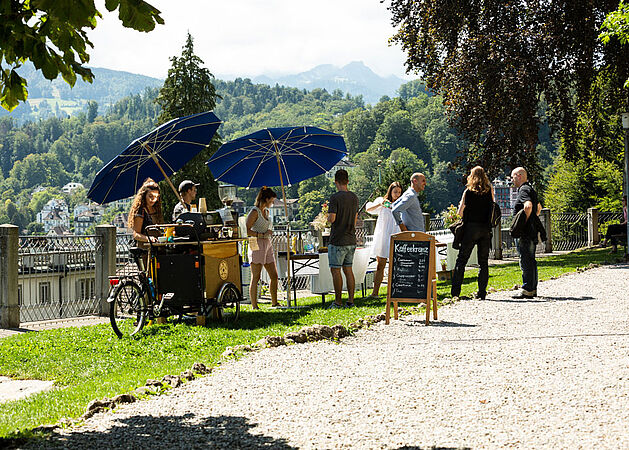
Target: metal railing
56	277
569	230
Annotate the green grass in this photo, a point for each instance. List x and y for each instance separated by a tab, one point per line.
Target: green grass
91	362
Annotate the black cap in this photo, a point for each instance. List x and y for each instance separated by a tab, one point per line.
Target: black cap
186	184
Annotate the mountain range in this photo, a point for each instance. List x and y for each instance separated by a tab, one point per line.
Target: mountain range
55	97
354	78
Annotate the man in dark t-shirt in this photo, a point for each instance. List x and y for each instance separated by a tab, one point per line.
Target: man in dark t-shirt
527	200
342	214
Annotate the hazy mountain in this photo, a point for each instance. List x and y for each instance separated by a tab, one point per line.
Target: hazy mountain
46	98
354	78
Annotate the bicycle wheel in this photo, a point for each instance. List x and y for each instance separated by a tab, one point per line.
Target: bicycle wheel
228	303
127	311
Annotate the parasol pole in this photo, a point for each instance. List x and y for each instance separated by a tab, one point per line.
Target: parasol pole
170	183
277	157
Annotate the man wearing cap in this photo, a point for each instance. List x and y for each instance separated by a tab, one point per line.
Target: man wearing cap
188	192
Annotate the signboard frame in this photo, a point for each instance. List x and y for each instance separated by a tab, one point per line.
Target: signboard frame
431	283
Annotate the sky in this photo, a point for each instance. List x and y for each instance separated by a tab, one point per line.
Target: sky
246	38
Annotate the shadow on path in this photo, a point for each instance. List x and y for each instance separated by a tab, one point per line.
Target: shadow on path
186	431
539	299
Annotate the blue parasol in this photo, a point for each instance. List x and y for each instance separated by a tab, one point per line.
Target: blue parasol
276	157
157	155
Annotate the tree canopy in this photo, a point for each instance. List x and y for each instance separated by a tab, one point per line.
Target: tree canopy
494	61
52	34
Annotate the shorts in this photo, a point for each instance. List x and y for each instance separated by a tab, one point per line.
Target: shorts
264	254
341	255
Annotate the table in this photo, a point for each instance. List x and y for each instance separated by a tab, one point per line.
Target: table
300	263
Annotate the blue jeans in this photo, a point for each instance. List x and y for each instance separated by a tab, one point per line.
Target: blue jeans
528	264
341	255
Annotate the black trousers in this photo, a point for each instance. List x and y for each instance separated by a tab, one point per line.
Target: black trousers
478	234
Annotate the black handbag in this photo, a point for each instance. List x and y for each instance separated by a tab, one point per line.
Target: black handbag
495	215
457	230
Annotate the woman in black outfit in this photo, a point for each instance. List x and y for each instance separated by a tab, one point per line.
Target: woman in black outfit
475	208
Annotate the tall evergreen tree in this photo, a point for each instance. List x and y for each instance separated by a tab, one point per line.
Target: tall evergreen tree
188	90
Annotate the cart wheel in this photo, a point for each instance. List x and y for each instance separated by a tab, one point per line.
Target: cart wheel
228	303
127	312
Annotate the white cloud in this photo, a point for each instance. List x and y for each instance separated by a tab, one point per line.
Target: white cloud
250	37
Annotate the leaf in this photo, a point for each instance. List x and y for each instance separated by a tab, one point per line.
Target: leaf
139	15
13	91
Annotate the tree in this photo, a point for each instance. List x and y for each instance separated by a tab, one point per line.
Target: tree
616	27
493	60
53	36
187	90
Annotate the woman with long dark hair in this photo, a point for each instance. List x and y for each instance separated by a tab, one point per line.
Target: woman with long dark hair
475	208
260	227
385	227
146	210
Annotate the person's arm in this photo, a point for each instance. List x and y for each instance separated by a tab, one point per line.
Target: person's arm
539	208
251	219
461	204
332	207
401	204
138	221
374	207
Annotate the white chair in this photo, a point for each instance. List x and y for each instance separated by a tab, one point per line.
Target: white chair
322	283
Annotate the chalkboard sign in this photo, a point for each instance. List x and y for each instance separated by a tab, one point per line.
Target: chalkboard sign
412	275
411	263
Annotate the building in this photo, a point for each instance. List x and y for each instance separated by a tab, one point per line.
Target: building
277	213
69	187
344	163
505	195
54	214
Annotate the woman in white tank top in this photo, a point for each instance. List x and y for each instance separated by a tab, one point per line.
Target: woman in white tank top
260	231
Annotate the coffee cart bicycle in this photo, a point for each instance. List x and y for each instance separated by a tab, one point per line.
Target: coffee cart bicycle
196	274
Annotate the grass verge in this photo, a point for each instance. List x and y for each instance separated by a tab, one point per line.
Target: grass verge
91	362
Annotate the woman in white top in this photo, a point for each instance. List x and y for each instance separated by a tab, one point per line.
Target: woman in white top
385	227
259	226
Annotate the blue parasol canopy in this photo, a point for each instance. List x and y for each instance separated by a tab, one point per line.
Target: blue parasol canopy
292	153
157	155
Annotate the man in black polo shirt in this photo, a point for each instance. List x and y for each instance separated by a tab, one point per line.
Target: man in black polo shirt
527	201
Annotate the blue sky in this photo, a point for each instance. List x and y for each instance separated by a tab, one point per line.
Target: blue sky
251	37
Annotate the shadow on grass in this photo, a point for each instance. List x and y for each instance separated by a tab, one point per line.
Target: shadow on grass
179	431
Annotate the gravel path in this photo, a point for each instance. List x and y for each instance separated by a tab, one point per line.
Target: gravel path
551	372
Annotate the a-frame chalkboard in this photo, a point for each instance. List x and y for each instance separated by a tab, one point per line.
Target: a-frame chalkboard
412	272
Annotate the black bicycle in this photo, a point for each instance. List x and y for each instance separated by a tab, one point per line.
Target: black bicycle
139	298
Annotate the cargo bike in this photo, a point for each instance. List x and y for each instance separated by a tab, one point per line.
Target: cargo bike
197	273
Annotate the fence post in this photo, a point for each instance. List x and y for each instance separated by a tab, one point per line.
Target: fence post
9	308
427	221
593	238
545	218
105	264
497	241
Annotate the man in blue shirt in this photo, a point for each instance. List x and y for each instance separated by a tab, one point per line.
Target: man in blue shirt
407	210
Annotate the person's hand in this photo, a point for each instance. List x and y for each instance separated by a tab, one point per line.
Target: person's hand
151	239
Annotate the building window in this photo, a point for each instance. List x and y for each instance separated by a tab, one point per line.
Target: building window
44	293
85	288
